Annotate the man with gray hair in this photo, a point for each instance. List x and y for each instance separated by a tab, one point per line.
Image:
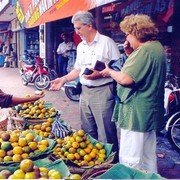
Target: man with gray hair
97	98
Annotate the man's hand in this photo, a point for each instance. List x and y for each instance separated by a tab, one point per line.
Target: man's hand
57	84
93	76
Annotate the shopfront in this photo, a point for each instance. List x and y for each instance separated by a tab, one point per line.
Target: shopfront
165	14
111	15
108	17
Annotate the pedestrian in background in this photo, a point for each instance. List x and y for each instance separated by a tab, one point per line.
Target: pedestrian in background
63	52
140	110
97	98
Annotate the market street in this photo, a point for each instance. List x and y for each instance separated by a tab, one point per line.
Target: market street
10	82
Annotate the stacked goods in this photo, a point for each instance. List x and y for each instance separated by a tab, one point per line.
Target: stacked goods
37	109
79	149
38	112
29	169
43	129
16	146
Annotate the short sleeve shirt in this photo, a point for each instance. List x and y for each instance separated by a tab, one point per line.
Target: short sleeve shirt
5	99
142	106
103	49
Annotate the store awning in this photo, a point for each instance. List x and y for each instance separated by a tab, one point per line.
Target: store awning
35	12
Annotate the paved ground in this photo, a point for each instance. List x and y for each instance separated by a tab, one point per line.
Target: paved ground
10	82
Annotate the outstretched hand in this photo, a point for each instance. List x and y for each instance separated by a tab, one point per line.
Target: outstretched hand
56	84
35	97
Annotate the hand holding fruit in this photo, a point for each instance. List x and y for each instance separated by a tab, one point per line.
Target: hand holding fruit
37	95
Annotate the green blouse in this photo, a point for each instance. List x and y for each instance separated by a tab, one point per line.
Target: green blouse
141	106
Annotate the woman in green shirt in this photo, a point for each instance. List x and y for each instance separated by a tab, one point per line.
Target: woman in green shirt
140	109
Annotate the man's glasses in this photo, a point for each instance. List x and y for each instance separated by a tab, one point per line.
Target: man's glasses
79	28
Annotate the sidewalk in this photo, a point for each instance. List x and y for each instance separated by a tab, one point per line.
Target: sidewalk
10	82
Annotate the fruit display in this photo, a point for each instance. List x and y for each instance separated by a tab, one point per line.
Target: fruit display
43	129
29	170
39	169
37	109
79	149
16	145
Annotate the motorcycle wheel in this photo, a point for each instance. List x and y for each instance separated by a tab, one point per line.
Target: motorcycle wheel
42	82
24	80
174	133
69	91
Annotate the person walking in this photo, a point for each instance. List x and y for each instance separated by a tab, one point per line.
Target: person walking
63	53
140	109
97	98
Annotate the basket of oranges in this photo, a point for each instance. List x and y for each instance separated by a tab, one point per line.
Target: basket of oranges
81	152
31	114
17	145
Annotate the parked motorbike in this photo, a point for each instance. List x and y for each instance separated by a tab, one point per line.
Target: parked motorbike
172	113
72	90
34	70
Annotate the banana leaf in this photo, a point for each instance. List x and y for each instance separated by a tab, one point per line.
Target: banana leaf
119	171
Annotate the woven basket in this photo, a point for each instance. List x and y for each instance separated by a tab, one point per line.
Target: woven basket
18	122
3	122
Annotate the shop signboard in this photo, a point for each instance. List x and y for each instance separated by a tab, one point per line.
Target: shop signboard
36	12
163	9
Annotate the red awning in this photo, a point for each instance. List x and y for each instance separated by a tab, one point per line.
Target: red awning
33	13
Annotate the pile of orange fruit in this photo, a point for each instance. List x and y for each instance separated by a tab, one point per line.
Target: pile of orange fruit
27	170
79	149
43	129
16	145
36	109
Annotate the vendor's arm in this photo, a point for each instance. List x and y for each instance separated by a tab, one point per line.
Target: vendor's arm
7	100
59	82
18	100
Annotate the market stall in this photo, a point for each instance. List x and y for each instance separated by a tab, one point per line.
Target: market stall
39	144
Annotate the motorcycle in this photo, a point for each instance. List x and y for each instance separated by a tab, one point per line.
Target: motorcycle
172	113
72	90
36	72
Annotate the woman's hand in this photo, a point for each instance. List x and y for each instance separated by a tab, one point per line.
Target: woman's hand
127	48
106	71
